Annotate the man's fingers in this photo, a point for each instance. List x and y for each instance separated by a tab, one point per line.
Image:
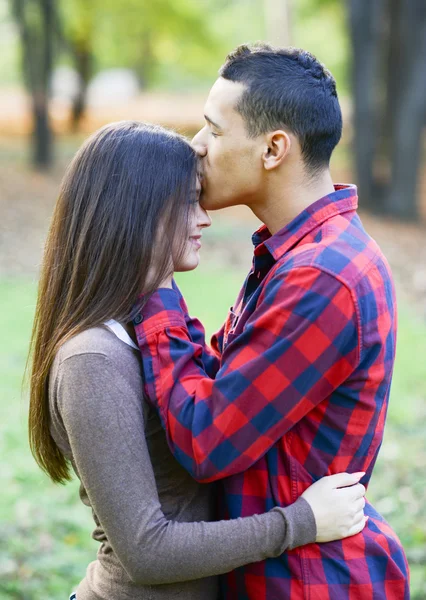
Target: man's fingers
341	480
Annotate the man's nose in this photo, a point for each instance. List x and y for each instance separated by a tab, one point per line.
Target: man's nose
198	145
200	150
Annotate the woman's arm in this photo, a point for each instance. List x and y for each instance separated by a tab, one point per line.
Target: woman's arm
103	418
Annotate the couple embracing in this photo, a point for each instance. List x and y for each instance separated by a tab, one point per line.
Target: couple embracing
231	470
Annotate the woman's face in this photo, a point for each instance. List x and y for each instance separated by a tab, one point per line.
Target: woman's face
197	221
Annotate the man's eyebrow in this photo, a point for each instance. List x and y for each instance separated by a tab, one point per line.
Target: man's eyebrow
212	122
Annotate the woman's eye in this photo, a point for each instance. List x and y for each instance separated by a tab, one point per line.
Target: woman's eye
195	199
215	135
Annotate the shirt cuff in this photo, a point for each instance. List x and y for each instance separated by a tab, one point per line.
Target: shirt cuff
163	309
301	525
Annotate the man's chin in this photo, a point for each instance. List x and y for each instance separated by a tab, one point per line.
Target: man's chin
210	202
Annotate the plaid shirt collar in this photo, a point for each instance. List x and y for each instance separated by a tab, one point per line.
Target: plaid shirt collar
343	199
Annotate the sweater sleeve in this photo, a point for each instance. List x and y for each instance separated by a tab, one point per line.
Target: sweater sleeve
103	419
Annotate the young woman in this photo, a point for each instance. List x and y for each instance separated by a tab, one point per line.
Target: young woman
127	213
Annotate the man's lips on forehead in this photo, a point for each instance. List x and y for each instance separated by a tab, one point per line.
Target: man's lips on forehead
201	168
203	181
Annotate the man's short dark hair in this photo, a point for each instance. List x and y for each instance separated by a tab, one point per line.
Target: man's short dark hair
287	88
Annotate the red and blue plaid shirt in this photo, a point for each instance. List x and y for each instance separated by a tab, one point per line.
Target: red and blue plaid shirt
294	387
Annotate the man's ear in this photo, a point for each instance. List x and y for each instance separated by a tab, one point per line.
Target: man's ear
278	146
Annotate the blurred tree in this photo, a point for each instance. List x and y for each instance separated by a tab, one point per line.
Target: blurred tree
36	21
365	28
136	34
406	93
389	74
132	34
77	39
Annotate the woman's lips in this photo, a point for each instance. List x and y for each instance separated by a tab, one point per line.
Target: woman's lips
196	241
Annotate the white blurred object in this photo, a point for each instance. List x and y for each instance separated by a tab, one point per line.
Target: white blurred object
112	86
278	21
65	83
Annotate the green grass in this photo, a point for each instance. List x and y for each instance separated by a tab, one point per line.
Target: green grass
44	530
45	542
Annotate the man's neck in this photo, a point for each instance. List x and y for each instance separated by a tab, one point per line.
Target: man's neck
288	198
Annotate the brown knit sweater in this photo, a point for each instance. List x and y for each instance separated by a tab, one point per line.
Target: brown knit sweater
152	520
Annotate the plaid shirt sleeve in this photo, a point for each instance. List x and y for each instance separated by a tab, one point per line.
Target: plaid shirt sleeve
298	346
210	356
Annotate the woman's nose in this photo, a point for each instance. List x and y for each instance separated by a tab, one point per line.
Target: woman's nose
204	219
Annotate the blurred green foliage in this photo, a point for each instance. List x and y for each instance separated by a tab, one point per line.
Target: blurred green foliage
45	542
180	44
140	34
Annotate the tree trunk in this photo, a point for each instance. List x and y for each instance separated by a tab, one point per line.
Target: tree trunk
42	133
409	110
43	151
37	35
365	18
146	64
83	60
390	92
394	65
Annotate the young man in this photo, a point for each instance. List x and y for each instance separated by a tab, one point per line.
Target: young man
296	384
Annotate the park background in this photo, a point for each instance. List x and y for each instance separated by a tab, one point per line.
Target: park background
69	66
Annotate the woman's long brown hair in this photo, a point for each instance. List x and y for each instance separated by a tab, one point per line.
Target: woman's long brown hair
126	181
